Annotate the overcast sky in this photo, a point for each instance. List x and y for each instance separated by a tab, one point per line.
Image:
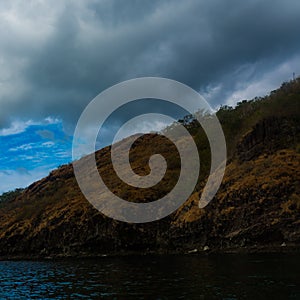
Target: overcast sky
55	56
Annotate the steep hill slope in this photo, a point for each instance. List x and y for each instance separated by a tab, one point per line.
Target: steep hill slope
257	206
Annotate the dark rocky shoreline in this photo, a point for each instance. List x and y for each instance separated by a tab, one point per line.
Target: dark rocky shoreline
270	249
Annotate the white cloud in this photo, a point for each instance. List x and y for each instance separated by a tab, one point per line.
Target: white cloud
141	126
63	154
263	85
48	144
23	147
21	178
31	146
17	127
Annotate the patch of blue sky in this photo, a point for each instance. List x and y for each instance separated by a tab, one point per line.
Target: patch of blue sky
36	150
37	146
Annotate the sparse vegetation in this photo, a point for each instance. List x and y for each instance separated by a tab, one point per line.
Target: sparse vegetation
11	195
257	204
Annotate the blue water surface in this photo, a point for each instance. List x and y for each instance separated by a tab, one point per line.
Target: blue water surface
154	277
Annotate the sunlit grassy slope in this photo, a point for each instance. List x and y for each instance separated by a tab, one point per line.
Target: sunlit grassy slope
257	205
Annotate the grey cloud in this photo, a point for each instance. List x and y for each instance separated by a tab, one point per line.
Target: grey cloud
93	45
46	134
22	171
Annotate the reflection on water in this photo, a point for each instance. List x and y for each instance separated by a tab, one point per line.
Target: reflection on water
154	277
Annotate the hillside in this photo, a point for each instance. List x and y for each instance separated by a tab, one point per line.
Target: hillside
257	207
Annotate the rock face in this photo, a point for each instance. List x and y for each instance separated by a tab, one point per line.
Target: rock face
267	136
257	206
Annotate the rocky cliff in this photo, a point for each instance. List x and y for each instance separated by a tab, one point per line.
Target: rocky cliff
256	208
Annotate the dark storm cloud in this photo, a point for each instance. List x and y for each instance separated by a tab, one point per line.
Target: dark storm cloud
54	60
